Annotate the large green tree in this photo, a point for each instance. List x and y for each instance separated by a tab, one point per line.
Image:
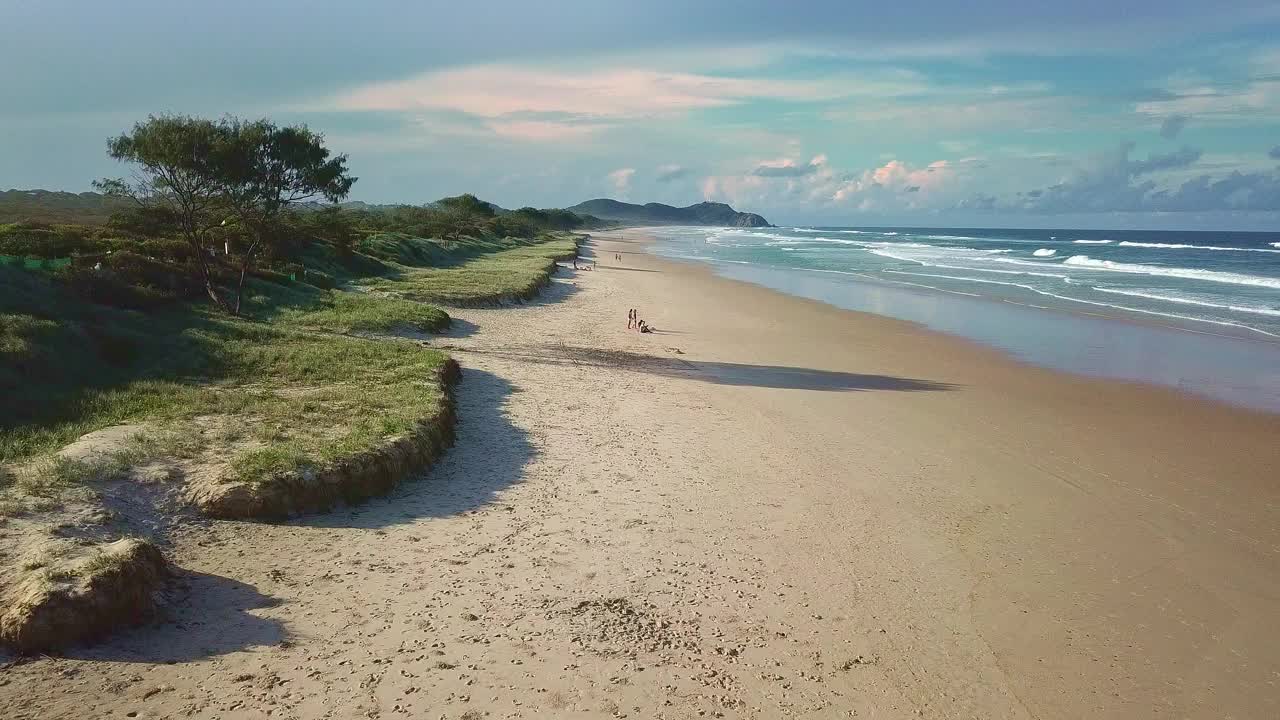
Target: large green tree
207	174
464	214
174	177
263	169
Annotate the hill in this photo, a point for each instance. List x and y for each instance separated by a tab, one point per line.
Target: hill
56	206
703	213
91	208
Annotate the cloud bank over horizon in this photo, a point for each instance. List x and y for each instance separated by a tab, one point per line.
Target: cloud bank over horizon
835	113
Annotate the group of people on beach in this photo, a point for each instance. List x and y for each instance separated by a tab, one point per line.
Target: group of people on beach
635	323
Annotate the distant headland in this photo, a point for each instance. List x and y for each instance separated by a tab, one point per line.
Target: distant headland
703	213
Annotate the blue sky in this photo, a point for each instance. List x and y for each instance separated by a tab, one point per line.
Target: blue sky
1098	114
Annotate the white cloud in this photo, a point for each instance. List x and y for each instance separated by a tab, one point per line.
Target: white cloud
1246	88
495	91
895	185
1112	182
786	167
542	129
621	179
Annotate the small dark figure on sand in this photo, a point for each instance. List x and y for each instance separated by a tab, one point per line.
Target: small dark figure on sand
631	318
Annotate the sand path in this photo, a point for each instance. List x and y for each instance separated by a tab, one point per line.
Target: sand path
769	509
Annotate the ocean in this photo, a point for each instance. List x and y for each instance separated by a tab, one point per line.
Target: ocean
1196	310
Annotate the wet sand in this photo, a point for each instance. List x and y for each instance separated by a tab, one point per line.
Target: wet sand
769	508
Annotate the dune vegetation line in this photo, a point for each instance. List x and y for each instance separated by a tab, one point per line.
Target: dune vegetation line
227	338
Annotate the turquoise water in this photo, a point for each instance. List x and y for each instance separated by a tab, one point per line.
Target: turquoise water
1196	311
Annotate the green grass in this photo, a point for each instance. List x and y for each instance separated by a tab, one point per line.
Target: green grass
354	312
71	368
292	383
515	273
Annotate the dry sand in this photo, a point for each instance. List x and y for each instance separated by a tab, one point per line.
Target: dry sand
771	508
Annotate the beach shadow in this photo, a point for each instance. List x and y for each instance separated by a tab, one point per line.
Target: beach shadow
630	269
560	288
459	328
719	373
487	457
211	618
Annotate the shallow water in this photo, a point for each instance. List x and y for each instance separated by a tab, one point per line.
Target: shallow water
1208	327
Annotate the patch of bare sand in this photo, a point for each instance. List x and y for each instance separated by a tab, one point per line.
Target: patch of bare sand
767	509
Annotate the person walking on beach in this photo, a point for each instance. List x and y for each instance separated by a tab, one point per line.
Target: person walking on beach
631	318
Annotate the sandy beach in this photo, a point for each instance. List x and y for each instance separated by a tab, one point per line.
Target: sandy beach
768	508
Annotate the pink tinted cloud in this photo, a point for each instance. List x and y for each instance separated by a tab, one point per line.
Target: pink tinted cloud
542	129
497	90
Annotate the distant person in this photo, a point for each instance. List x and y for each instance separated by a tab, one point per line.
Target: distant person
631	318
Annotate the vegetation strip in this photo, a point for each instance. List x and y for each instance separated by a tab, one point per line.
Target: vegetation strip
268	362
348	478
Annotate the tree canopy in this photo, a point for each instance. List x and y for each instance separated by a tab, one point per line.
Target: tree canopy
204	174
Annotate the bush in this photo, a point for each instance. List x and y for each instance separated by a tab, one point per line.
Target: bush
319	279
274	276
514	225
31	240
136	269
144	221
113	345
167	249
107	288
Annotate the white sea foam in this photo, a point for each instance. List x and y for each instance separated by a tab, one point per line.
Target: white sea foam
946	260
880	279
1092	242
1185	300
1068	298
971	238
782	241
1045	252
846	232
1084	261
1275	245
1181	246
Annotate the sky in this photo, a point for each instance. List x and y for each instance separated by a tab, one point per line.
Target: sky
982	113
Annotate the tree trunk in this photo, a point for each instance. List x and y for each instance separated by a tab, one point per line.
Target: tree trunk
244	269
206	276
246	261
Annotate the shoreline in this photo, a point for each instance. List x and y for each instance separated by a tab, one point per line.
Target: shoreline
1251	389
769	507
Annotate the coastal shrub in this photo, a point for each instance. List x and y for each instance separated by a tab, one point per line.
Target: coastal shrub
274	276
145	221
169	249
30	240
137	269
318	278
514	225
105	287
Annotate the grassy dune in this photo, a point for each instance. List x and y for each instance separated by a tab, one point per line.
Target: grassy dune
515	272
290	386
